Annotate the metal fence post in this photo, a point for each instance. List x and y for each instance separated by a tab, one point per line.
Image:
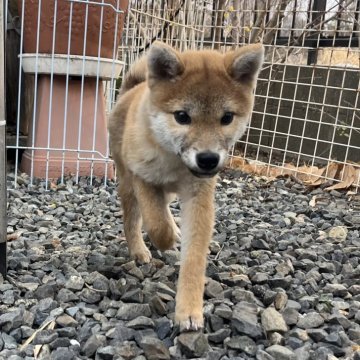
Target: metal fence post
3	197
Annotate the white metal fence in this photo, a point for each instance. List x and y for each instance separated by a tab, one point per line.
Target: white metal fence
305	122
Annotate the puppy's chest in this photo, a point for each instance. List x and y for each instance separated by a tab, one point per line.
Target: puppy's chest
159	169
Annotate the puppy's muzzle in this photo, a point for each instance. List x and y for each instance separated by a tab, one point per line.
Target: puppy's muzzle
207	161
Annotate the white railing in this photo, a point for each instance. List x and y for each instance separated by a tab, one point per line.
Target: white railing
305	121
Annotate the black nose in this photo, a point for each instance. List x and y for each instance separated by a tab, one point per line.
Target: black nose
207	160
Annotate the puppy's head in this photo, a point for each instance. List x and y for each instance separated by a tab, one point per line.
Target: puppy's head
200	102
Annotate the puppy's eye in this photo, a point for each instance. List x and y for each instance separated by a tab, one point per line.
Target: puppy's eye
227	118
182	117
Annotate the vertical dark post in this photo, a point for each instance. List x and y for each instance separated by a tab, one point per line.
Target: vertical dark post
3	200
317	15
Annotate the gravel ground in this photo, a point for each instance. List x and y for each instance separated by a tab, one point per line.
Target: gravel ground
283	277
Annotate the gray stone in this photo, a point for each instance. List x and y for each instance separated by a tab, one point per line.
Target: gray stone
280	282
231	279
262	355
140	322
105	353
45	291
219	336
276	338
281	352
310	320
163	327
260	278
224	311
303	353
66	321
60	342
317	334
216	322
98	282
11	320
91	296
242	343
9	342
92	344
75	283
339	319
66	332
121	333
354	333
193	344
131	311
62	353
66	295
336	289
163	288
154	349
294	343
300	334
157	305
213	289
290	316
259	244
144	333
244	320
215	354
133	296
45	337
272	320
26	331
334	338
336	350
280	301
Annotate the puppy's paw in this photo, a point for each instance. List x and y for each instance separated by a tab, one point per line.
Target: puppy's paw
164	238
141	254
191	320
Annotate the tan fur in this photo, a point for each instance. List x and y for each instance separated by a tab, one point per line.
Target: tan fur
156	156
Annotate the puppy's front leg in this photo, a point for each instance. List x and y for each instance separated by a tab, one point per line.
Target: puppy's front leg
196	227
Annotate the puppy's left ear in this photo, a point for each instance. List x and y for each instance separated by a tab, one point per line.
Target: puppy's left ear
244	64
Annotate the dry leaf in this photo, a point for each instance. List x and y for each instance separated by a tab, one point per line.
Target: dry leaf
13	236
331	170
55	243
53	186
347	177
309	175
49	323
37	350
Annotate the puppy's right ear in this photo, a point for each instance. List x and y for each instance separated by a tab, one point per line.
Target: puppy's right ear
244	64
163	62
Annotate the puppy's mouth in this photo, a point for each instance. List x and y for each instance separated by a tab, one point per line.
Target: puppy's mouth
203	175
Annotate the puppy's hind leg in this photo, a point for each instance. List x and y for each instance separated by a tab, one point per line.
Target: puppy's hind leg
133	222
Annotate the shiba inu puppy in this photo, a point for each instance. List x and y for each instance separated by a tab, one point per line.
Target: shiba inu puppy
176	118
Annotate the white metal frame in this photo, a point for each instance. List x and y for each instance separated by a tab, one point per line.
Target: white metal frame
193	24
3	197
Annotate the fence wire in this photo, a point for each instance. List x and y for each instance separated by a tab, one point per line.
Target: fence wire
305	121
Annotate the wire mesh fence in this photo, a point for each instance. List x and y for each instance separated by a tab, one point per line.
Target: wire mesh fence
305	121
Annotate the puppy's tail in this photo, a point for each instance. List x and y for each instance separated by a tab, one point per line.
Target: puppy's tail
135	75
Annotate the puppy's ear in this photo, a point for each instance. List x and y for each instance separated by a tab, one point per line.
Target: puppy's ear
244	64
163	62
